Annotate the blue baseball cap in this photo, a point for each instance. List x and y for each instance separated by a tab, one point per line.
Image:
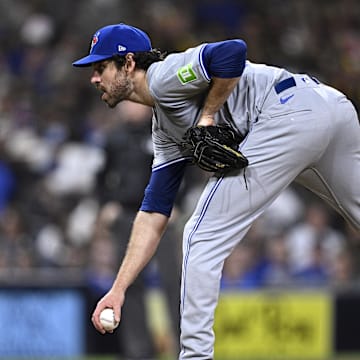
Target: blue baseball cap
111	40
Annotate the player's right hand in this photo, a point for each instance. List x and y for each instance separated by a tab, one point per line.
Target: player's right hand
111	300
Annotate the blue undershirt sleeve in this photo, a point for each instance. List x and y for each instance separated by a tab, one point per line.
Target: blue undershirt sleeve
163	186
225	59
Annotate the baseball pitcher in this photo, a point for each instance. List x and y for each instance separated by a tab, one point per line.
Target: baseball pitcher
256	128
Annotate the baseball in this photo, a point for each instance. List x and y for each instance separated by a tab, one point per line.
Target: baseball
107	319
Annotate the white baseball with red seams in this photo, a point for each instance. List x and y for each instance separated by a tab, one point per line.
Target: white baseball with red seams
107	319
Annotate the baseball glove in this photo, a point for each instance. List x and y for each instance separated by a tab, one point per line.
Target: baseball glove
215	148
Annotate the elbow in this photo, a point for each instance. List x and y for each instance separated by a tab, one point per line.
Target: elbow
240	52
225	59
240	46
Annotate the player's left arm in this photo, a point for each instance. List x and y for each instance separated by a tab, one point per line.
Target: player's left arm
224	62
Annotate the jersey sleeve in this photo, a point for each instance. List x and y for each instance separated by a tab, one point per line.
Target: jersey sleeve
187	74
180	76
225	59
163	186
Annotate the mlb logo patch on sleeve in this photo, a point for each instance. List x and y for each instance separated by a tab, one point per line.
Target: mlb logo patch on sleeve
186	74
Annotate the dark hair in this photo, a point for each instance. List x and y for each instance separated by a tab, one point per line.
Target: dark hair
143	59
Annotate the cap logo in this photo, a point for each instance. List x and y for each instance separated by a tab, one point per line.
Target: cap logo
121	48
94	41
114	39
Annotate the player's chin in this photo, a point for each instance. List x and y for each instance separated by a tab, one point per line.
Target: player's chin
111	103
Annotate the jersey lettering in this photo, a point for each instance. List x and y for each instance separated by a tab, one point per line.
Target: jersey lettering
186	74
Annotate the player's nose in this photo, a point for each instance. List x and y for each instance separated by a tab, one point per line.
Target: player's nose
95	78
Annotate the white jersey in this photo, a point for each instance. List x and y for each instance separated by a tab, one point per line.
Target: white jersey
179	85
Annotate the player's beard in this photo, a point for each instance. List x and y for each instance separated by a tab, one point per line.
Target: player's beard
119	90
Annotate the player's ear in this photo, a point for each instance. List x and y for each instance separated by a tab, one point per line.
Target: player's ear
129	62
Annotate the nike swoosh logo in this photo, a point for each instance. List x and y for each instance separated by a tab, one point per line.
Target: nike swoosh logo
284	100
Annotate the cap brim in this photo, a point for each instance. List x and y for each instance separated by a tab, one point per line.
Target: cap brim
88	60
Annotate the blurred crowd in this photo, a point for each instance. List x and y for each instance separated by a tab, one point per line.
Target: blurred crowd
64	154
71	170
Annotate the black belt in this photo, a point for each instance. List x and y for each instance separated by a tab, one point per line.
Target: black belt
289	83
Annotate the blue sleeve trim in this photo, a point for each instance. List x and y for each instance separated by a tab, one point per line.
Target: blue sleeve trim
163	186
163	165
203	67
225	59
